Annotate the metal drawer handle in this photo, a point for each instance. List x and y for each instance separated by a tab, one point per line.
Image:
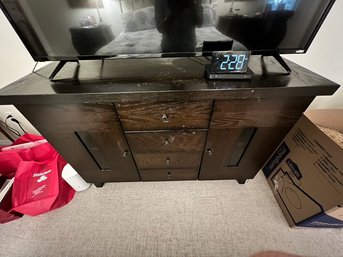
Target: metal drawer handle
168	161
168	141
165	118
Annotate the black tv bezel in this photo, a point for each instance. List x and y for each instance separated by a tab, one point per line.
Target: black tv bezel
269	52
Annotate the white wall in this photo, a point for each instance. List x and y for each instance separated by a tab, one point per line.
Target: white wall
15	62
325	57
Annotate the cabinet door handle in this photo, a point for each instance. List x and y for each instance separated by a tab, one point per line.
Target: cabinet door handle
210	152
125	153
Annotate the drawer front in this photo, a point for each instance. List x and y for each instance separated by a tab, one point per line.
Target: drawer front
164	115
163	142
168	174
271	112
72	117
167	160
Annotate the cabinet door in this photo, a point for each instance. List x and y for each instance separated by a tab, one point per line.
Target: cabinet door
244	132
88	136
238	153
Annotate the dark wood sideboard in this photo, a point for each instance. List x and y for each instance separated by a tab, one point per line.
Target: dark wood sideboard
160	119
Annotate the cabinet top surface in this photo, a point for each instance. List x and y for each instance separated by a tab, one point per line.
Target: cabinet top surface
160	79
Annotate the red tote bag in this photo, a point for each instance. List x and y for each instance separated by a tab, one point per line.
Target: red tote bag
39	186
10	159
9	162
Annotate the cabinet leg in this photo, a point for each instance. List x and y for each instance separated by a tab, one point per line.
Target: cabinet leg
241	181
99	184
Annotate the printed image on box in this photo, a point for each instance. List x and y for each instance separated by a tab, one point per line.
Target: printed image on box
299	205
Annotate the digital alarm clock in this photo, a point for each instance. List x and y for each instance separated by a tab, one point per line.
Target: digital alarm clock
229	65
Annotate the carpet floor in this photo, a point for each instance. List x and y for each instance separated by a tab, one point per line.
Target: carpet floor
187	218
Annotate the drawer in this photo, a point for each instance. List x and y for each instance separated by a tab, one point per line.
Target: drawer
168	141
168	174
271	112
72	117
164	115
167	160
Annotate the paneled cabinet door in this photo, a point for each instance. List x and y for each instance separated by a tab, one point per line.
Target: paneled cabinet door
238	153
90	138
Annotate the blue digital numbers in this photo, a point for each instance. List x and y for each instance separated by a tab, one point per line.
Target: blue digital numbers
224	63
234	62
230	62
241	61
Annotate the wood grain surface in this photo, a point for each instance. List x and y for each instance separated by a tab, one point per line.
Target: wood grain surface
167	141
167	160
164	115
88	136
262	112
78	116
66	117
168	174
222	144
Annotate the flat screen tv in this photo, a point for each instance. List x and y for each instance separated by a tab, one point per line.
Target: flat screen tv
64	30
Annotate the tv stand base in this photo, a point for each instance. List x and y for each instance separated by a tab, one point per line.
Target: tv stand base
59	67
281	61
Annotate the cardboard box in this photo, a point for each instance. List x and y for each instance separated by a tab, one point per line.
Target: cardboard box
306	172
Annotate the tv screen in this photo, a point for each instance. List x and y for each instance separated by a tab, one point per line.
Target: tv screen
85	29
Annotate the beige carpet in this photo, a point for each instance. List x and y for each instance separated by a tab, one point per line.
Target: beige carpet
195	218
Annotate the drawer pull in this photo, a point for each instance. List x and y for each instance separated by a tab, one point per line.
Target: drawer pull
165	118
166	142
169	174
168	161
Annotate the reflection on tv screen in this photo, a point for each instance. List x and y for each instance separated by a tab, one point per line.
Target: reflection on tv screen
68	29
281	5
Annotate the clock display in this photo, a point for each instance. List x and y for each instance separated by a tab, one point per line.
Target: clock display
230	62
